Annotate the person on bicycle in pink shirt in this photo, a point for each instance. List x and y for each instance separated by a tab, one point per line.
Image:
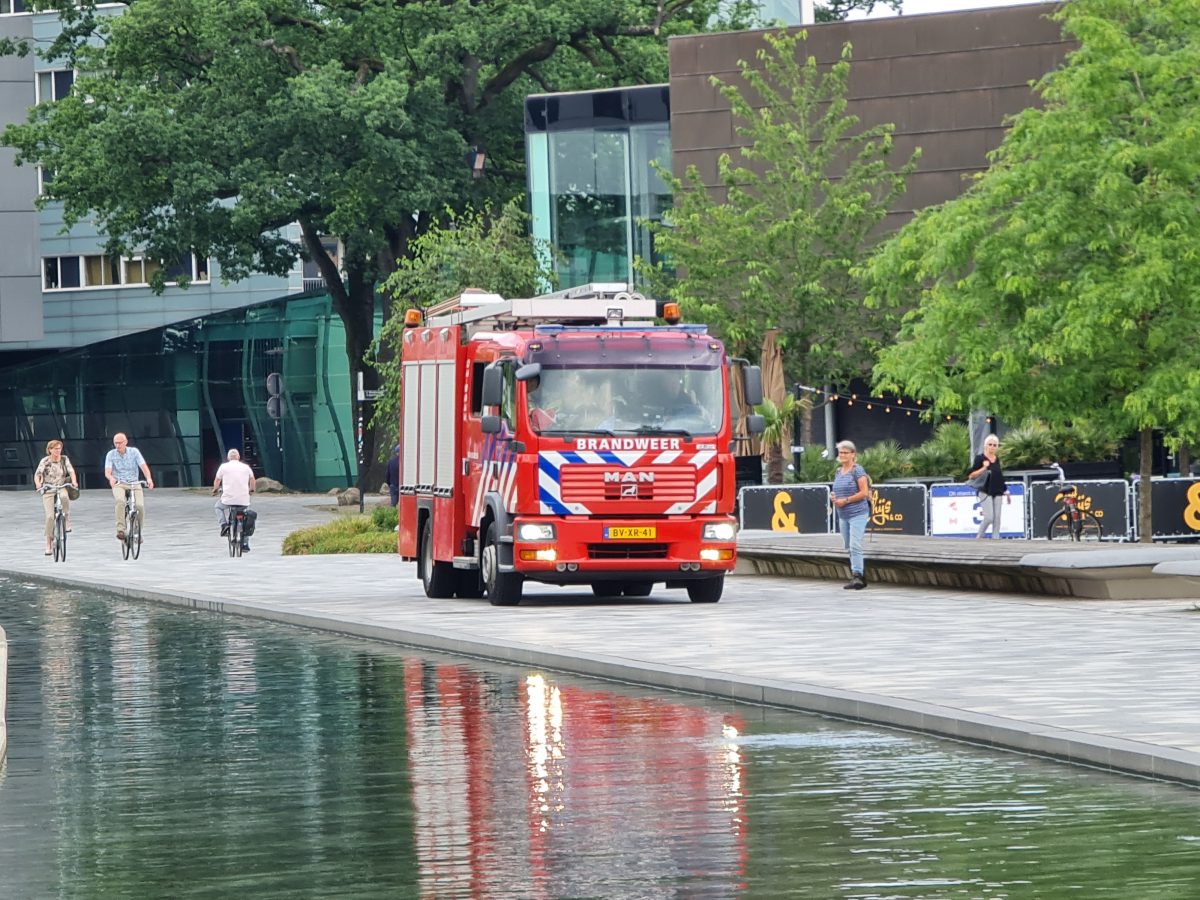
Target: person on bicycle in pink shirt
235	481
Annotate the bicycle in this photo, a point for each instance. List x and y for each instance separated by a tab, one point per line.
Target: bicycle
131	546
237	529
1069	521
58	536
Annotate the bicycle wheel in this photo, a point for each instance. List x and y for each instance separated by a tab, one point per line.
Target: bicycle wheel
1058	528
235	535
134	534
60	538
127	544
1088	528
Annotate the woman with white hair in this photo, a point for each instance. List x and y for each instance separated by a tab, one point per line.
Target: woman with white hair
852	501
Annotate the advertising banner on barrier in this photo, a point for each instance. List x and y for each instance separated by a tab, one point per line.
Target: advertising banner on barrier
1108	501
954	511
897	509
796	508
1175	507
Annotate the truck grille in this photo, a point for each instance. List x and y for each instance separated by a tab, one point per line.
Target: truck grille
664	484
627	551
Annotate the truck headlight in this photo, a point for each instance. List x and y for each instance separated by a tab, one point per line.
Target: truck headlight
719	531
535	531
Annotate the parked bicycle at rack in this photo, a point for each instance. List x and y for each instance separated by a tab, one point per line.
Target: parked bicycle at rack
58	534
1069	522
131	546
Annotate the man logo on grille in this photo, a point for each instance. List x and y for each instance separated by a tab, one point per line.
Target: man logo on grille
629	490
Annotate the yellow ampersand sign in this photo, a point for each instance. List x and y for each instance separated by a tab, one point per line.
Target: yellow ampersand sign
783	521
1191	513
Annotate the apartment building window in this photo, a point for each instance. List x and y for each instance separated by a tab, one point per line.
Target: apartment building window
10	7
139	270
101	271
62	273
53	84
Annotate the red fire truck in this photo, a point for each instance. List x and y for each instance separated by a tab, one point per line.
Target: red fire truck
569	439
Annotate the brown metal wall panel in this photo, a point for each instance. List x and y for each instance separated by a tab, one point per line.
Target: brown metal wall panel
947	82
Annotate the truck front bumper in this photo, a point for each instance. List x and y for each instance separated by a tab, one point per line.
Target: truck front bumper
664	549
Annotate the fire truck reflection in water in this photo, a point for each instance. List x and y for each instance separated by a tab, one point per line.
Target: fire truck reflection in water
606	782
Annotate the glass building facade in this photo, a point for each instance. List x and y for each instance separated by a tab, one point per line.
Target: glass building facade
592	182
186	393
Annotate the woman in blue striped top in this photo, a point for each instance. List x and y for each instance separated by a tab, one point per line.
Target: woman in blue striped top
852	500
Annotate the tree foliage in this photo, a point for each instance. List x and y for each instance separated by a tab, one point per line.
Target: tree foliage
837	10
210	126
470	249
1064	284
777	250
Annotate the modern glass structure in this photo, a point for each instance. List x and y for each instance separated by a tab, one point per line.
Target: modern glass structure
592	182
186	393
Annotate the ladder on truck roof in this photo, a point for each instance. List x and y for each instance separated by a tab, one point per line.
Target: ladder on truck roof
607	303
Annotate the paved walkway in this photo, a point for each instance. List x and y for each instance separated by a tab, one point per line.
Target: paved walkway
1104	683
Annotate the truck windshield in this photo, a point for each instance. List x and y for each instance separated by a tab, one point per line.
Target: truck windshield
627	400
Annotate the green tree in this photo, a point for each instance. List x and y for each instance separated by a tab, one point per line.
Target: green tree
777	249
777	435
215	126
1064	284
469	249
837	10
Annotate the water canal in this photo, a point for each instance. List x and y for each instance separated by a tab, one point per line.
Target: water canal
156	752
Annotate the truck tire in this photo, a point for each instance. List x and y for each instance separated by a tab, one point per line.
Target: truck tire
436	577
503	588
706	591
639	589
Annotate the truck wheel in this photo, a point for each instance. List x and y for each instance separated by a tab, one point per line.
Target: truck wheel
607	588
639	589
436	577
706	591
503	588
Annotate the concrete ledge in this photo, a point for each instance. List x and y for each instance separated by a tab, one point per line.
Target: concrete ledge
1079	748
1181	569
1097	571
3	693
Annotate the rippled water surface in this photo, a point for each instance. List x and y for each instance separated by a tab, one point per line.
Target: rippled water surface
163	753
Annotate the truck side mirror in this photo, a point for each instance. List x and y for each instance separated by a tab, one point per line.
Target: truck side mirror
528	371
756	424
752	375
491	424
493	386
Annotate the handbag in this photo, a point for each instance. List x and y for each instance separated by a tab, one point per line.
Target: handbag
979	482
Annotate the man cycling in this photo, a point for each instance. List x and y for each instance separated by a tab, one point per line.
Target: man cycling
121	467
235	481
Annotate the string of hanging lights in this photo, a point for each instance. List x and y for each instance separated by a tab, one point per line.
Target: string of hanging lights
876	404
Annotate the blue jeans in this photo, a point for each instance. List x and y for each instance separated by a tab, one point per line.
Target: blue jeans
853	530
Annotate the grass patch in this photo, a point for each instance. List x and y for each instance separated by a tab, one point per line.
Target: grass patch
346	534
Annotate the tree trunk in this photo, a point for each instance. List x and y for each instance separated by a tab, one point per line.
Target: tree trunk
773	458
352	292
359	321
1145	465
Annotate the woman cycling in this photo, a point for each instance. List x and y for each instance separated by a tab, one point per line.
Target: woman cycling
55	469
